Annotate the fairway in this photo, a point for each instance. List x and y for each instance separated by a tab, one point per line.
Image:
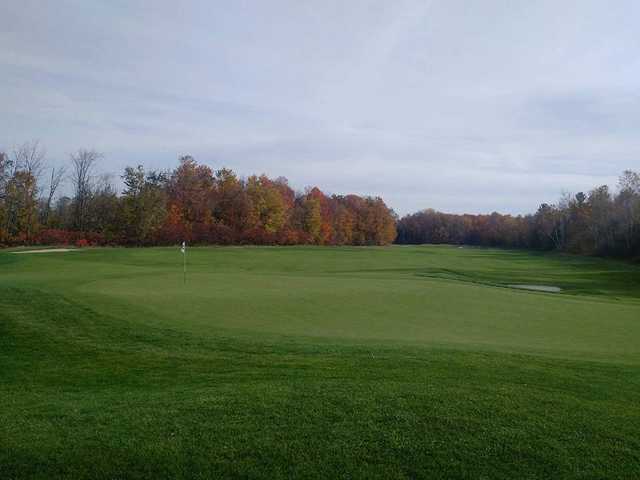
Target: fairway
281	362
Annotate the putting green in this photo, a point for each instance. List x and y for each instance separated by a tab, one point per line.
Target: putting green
414	295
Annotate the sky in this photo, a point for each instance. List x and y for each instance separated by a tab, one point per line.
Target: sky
461	106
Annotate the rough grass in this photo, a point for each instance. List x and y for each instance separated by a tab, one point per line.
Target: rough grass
318	363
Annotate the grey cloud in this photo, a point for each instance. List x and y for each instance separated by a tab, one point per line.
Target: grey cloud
460	106
594	112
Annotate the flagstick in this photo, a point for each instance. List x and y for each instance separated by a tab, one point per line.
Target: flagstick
184	266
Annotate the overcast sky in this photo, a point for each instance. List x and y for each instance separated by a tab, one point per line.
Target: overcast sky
462	106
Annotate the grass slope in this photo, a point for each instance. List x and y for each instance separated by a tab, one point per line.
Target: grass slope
403	362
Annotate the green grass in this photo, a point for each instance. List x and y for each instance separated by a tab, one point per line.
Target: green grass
401	362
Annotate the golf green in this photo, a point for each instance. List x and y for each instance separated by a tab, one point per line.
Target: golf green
318	362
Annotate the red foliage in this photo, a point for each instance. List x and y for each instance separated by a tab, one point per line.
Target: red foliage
258	236
212	233
289	236
196	205
54	236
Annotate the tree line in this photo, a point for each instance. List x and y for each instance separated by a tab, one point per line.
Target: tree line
599	222
196	204
190	203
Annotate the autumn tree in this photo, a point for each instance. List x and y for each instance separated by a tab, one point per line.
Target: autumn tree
267	211
190	190
103	211
312	219
381	223
231	205
22	206
143	204
344	223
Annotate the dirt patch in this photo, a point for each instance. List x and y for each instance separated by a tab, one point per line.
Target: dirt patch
49	250
538	288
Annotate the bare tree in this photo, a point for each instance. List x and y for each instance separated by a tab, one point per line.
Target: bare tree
5	173
550	222
29	157
628	201
83	162
629	181
56	178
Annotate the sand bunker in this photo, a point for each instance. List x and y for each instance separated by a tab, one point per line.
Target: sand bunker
49	250
538	288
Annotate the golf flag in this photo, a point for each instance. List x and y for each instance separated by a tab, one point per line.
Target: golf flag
183	249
